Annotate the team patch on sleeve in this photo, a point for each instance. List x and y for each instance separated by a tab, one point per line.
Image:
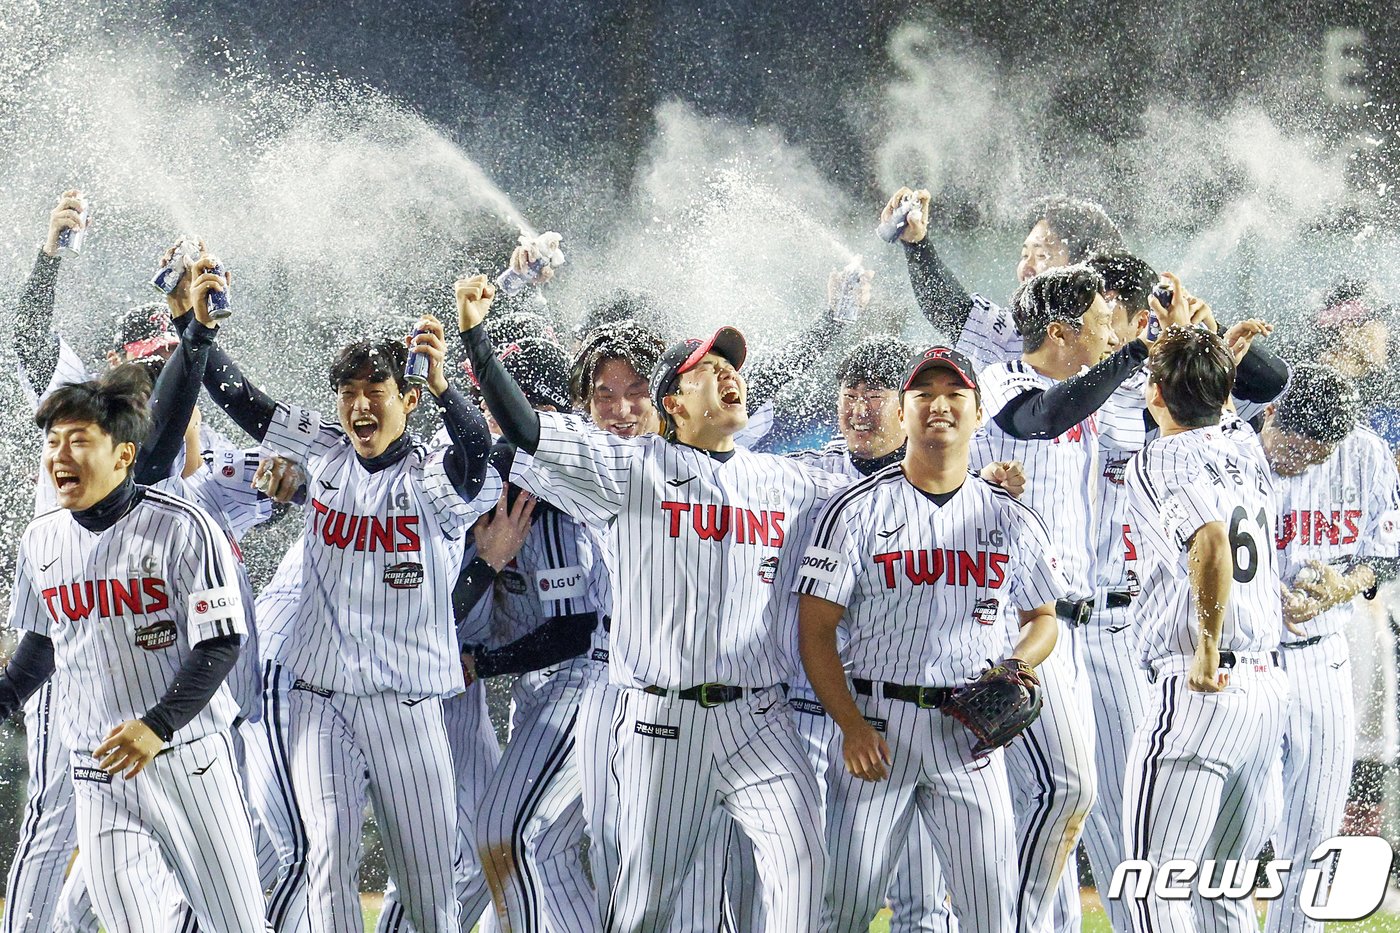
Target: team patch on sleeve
822	564
215	613
1174	521
1388	527
560	583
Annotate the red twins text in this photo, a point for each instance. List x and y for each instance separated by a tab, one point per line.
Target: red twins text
1308	527
364	532
952	568
109	597
718	522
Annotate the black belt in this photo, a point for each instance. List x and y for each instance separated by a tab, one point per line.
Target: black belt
1305	643
922	697
1074	611
1118	600
706	695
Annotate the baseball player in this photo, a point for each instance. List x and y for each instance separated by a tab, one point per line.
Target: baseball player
923	561
697	528
159	577
372	651
1200	779
871	438
1337	536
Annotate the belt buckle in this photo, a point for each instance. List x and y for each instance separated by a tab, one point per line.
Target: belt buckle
1083	609
704	698
924	698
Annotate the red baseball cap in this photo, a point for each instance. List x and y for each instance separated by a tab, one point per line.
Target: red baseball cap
946	357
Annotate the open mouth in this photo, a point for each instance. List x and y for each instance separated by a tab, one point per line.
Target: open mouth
623	428
364	429
939	423
65	479
731	396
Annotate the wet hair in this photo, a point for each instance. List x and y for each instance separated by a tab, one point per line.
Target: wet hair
113	405
1320	404
628	341
517	326
621	304
1083	226
1062	294
135	376
1195	372
373	360
878	361
1125	274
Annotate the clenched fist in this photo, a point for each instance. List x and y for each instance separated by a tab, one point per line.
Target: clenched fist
474	297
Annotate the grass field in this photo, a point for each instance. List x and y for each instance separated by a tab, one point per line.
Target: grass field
1095	921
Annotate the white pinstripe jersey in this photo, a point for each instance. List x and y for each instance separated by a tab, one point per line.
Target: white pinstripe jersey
1116	567
834	457
1059	477
698	546
380	554
279	603
929	590
1346	506
559	571
124	608
1176	485
989	336
223	489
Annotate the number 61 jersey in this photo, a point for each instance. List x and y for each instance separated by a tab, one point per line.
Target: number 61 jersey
1176	485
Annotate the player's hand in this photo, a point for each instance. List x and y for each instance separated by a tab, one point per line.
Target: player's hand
474	297
1298	608
916	228
128	747
1178	315
1008	474
501	533
63	217
834	282
433	345
179	301
1201	314
202	282
1239	337
867	756
1326	584
520	259
278	478
468	667
1205	675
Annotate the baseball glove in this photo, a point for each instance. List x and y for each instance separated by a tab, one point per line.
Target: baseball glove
998	706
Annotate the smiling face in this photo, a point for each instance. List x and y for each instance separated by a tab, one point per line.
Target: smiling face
709	399
1291	454
1042	250
869	420
939	411
84	463
620	401
373	413
1096	337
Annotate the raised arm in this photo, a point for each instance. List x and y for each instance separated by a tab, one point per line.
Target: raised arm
1038	414
469	456
34	341
519	422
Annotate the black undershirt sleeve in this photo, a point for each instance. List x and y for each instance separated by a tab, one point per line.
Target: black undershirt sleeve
519	421
204	669
30	665
250	408
471	443
557	640
473	583
35	343
1261	376
1043	414
172	402
941	297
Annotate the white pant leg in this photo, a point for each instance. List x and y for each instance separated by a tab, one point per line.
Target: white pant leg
267	755
48	833
765	782
531	817
329	773
1118	687
1318	744
1202	784
1051	767
75	913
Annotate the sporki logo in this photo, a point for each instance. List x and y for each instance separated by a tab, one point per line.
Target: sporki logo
1362	867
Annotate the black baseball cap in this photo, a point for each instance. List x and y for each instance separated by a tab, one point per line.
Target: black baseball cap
946	357
541	369
145	331
686	355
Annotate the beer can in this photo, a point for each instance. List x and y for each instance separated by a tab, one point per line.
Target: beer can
219	301
168	276
908	209
70	241
415	371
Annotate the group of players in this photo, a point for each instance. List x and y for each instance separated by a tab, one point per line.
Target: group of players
733	666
